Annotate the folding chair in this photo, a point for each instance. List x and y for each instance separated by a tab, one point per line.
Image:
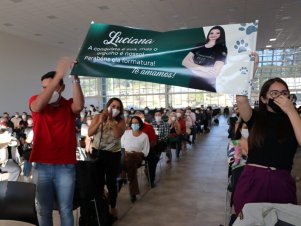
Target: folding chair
140	171
18	202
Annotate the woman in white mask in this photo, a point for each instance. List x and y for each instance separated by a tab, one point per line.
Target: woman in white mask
107	129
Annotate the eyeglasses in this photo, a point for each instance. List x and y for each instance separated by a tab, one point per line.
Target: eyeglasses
277	93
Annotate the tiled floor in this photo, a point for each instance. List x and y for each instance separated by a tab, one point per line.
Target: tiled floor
189	192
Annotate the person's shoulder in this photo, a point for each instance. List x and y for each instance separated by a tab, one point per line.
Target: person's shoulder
128	131
164	123
221	48
147	125
32	98
153	122
200	44
144	135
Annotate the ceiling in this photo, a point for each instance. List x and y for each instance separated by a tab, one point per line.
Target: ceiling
64	23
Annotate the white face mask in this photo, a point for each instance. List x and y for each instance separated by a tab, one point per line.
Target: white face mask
89	122
244	133
29	122
54	98
158	118
82	114
173	118
16	116
146	111
115	112
2	127
178	114
24	117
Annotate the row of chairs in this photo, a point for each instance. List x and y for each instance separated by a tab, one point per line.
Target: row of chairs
17	200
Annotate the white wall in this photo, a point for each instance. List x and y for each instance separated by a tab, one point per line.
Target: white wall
22	63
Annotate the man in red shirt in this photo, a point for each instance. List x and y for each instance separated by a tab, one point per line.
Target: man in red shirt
54	144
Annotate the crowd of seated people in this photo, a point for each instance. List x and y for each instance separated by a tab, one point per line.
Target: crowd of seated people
15	145
19	127
172	131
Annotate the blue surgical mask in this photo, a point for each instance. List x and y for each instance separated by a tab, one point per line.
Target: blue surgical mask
135	127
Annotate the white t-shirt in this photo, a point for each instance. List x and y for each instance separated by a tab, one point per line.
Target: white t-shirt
131	143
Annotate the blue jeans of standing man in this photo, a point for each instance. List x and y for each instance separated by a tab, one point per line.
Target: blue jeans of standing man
54	181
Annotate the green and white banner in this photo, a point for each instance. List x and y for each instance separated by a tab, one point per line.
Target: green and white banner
215	58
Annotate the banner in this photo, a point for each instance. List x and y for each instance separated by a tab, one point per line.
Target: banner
215	58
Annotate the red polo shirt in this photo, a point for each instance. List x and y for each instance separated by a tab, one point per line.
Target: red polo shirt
150	132
54	140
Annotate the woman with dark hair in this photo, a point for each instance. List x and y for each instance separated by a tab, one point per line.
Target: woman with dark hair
274	135
206	60
136	146
107	129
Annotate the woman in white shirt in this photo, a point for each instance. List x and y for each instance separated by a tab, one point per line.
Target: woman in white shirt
136	145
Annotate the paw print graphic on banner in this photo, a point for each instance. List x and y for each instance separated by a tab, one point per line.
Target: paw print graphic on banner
251	84
249	29
241	46
243	70
244	92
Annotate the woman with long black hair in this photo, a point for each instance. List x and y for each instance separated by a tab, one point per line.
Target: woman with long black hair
206	60
274	135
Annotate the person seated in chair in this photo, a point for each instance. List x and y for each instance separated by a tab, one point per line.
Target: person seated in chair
6	163
136	145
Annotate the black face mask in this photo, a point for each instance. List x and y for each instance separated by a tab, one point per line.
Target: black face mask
275	107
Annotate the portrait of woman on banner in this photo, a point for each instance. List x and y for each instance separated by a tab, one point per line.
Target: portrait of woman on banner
207	59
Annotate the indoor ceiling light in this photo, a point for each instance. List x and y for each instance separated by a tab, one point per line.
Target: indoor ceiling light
16	1
103	7
272	39
51	17
268	46
286	18
8	24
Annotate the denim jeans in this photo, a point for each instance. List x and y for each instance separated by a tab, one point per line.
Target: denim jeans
54	181
26	168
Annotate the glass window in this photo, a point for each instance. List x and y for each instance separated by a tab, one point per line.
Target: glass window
89	86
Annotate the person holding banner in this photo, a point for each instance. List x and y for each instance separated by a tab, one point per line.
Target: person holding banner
274	136
206	60
54	143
